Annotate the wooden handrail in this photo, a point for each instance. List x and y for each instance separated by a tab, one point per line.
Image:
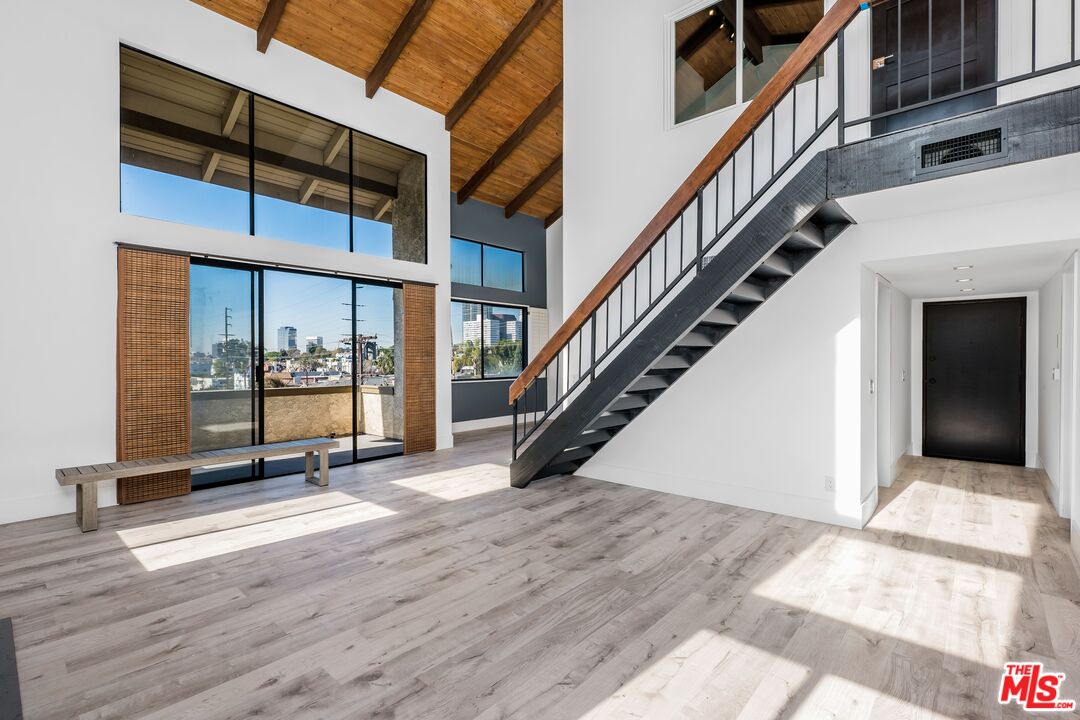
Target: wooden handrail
817	41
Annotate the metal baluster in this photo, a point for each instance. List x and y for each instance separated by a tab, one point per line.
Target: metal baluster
682	240
734	177
1032	35
716	206
962	43
515	451
753	160
817	90
930	49
899	52
840	84
592	350
622	302
794	115
665	256
772	145
699	259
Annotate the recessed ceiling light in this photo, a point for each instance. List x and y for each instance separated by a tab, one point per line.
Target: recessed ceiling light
968	290
963	267
965	280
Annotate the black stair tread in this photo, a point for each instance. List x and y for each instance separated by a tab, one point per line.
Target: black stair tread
582	452
591	437
720	316
568	468
649	382
695	339
747	291
807	237
775	266
628	402
608	420
671	362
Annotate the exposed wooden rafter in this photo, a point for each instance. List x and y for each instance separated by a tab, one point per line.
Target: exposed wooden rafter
307	189
397	43
508	146
233	108
532	188
209	166
754	33
268	25
491	68
553	217
334	147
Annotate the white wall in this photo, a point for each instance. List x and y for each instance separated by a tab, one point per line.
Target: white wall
621	163
901	363
1058	432
781	404
59	67
1049	380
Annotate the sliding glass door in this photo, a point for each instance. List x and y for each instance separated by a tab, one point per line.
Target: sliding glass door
223	359
279	355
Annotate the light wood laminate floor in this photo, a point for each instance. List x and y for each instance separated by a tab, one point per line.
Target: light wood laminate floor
424	587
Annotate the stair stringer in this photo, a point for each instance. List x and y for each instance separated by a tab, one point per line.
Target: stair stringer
803	195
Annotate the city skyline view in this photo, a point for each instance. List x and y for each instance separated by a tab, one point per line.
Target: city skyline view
314	305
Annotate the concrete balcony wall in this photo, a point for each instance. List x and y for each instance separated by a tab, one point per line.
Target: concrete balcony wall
223	418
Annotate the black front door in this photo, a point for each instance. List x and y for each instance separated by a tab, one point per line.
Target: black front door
973	380
945	47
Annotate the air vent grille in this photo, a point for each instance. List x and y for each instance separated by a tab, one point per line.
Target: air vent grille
966	147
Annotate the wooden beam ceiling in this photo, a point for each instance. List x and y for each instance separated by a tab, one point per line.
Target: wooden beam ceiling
532	188
511	143
269	23
397	44
493	68
553	217
520	32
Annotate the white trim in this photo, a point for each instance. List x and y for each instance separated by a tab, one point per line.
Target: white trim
483	423
668	60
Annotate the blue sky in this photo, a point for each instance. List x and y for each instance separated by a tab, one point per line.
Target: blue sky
314	305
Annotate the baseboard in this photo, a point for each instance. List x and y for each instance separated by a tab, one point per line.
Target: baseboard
1074	541
483	423
898	466
1032	460
800	506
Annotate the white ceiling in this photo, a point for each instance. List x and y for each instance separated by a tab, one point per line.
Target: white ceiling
1012	269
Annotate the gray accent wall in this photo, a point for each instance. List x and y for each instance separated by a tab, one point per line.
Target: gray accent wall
482	222
479	221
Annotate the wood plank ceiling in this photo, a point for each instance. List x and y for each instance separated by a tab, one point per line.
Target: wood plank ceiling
493	67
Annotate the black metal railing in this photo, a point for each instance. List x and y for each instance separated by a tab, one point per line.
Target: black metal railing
1059	58
812	104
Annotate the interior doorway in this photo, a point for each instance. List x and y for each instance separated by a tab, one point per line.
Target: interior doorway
974	380
926	51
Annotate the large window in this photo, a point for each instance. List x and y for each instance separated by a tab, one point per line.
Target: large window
727	51
279	355
201	152
489	341
473	263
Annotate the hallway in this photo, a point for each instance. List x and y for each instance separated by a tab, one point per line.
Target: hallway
424	587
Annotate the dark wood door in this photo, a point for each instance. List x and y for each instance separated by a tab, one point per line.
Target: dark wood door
945	46
973	380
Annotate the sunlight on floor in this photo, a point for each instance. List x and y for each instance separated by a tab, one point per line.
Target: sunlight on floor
212	543
241	517
854	564
692	675
482	478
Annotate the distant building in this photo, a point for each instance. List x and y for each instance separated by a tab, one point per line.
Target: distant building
286	338
499	326
313	341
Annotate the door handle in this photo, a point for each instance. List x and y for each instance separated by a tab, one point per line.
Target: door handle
880	62
932	381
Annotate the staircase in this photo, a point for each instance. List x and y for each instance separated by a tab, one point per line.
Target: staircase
758	208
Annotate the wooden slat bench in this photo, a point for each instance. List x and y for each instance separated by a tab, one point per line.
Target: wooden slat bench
86	477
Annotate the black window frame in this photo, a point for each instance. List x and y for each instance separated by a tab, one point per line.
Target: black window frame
252	95
483	245
524	338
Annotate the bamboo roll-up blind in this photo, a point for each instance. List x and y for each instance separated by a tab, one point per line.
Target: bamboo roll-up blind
420	368
153	387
